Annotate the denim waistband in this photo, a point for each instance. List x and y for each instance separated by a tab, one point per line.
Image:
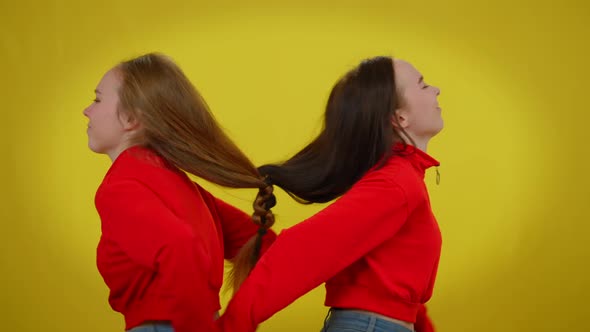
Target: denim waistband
364	321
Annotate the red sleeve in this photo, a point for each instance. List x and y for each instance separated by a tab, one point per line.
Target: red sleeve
151	235
310	253
423	322
237	226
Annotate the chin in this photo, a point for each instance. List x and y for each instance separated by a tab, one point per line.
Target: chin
94	148
436	131
441	126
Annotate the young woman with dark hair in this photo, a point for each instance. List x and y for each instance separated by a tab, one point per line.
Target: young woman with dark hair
377	247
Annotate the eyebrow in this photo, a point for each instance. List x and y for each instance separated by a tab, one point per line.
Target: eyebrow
96	91
421	79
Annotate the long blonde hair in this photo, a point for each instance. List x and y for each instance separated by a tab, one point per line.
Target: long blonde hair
177	124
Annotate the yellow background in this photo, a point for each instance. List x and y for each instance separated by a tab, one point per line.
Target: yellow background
514	193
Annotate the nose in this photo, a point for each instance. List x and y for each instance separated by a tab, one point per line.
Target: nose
85	111
437	90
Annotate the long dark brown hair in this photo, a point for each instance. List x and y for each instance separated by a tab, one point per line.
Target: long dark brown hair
177	124
358	135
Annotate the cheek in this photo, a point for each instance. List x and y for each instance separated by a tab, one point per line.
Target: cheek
418	101
426	101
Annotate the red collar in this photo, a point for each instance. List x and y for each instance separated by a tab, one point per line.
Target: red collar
143	154
419	159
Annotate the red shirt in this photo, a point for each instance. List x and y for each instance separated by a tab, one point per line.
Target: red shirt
164	240
377	248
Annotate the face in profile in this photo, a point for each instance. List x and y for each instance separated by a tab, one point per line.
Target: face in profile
107	130
419	113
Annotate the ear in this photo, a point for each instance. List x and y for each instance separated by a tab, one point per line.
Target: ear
400	119
129	122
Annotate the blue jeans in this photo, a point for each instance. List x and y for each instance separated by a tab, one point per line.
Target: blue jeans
157	327
352	321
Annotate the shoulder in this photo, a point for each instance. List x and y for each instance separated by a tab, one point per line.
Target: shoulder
142	165
398	172
139	168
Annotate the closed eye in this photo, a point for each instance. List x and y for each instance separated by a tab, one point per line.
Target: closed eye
421	81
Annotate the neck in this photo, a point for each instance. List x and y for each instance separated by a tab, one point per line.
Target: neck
420	143
115	152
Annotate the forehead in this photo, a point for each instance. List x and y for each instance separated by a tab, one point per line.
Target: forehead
405	73
110	82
